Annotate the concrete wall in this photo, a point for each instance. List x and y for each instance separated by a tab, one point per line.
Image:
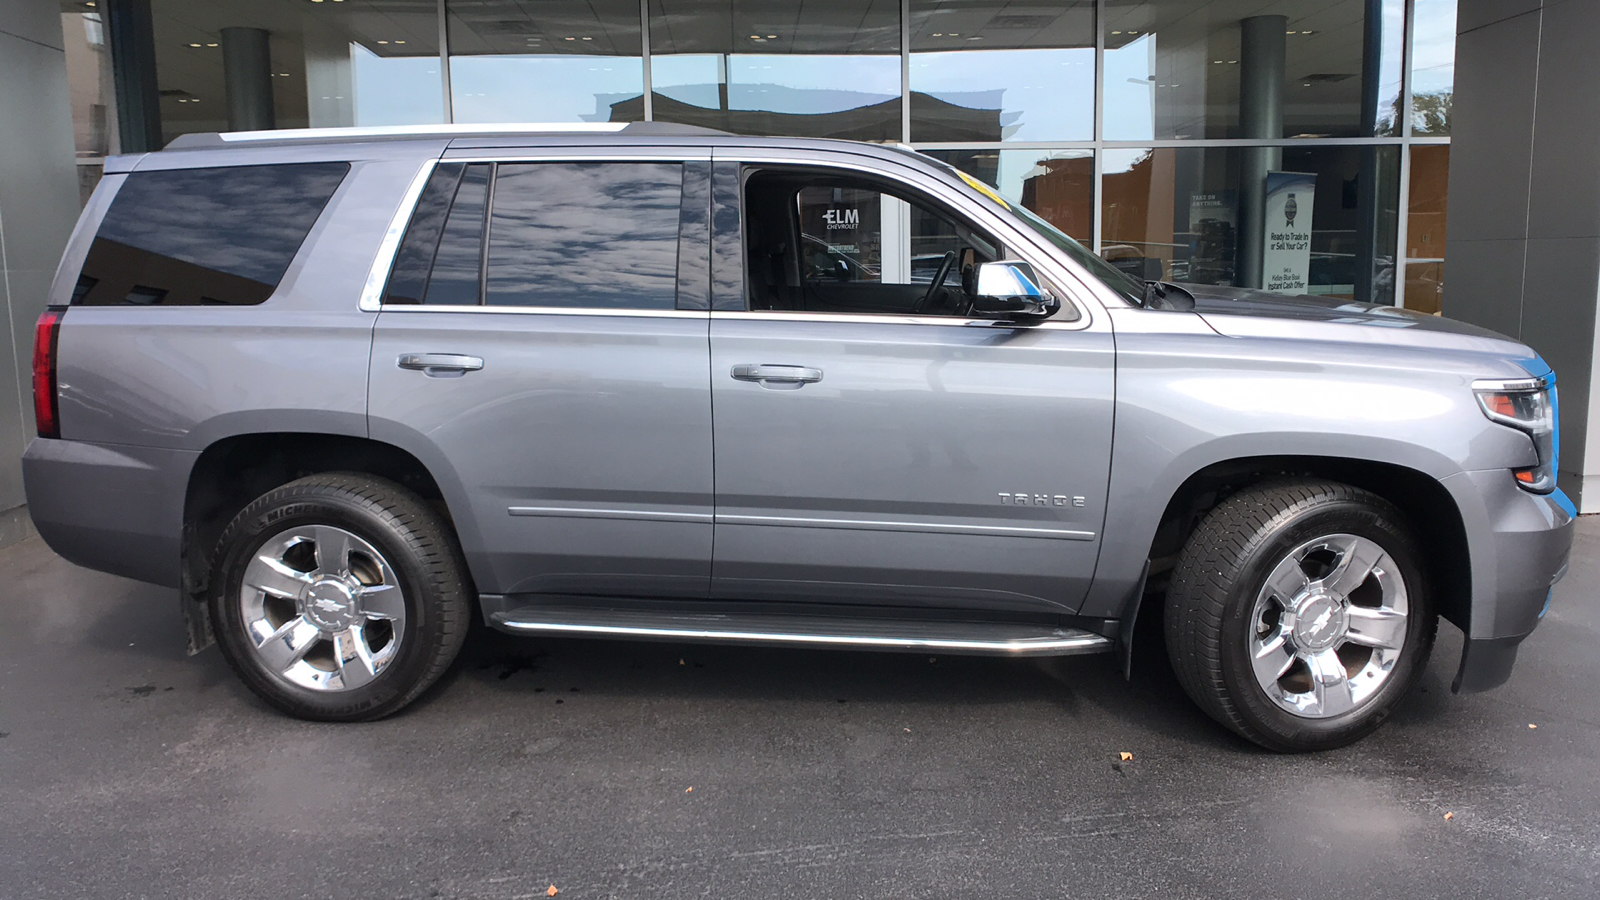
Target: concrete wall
38	205
1523	248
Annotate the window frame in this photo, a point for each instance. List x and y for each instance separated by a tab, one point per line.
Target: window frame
692	288
290	263
732	169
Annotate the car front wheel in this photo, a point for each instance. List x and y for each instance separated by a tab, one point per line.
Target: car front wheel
1299	614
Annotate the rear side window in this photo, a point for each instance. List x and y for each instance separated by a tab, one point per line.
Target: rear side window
220	236
574	235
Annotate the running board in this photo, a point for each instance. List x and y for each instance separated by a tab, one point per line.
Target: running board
971	638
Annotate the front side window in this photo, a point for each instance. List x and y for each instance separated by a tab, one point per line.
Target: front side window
581	235
829	243
218	236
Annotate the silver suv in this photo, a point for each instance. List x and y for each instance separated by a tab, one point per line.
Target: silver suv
345	390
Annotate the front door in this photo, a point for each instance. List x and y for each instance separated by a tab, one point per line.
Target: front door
918	458
534	350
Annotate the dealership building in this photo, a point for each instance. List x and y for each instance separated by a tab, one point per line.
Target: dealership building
1346	148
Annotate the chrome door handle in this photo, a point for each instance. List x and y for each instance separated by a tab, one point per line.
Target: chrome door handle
441	365
795	375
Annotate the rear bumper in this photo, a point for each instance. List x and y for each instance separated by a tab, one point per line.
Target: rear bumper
110	507
1520	543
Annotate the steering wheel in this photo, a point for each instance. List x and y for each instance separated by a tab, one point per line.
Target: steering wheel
938	283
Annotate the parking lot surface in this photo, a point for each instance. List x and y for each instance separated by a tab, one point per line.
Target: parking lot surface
610	769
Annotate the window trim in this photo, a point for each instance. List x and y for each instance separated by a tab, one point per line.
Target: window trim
1011	236
389	247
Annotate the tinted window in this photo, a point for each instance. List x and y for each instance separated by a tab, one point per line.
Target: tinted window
459	261
409	278
204	236
585	235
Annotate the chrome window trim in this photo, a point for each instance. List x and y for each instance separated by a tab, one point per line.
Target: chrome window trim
383	261
614	312
378	276
1063	272
780	315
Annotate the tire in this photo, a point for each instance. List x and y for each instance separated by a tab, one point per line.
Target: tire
339	597
1223	615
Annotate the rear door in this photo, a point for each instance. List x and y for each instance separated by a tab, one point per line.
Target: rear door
896	459
543	345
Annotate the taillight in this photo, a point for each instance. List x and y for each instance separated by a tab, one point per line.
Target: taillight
46	409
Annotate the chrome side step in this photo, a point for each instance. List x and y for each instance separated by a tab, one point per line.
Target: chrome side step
972	638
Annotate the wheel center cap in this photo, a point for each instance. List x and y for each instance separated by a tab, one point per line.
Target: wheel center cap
330	605
1319	622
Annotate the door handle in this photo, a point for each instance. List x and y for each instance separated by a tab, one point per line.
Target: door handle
441	365
775	375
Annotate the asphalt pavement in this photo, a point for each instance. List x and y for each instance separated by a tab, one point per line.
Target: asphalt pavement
610	769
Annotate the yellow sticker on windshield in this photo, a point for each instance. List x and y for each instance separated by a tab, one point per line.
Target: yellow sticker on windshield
983	189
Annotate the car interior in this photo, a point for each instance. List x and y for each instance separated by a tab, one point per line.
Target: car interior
822	242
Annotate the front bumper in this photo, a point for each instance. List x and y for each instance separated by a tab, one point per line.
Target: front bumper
1519	545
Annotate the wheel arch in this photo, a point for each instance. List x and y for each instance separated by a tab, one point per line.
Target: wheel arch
1430	509
233	471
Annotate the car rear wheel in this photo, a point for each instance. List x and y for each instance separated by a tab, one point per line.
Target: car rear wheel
339	597
1299	614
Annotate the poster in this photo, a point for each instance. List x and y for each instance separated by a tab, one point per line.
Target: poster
1286	254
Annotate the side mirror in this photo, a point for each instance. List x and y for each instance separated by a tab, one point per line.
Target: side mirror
1009	289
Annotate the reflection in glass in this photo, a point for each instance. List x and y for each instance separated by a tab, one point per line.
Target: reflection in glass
996	72
1178	69
810	70
1427	202
1058	185
545	62
1433	66
585	235
329	64
1177	214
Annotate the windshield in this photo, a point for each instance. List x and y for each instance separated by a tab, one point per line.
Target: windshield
1126	285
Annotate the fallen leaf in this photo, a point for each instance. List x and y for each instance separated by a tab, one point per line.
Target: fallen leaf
1125	756
908	731
682	663
1531	725
1448	816
688	790
551	891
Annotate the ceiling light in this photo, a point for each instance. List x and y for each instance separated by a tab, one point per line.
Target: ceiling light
772	37
1216	62
1233	62
90	4
588	38
196	46
976	37
399	42
755	37
1116	32
569	39
211	45
938	34
383	42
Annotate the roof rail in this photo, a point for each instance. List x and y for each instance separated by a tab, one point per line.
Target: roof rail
224	138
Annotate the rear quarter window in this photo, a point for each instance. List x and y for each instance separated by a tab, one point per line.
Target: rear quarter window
219	236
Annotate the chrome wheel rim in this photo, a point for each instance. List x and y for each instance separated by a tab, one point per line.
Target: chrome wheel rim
1328	626
322	608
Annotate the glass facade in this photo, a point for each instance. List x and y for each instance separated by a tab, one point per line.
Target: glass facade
1154	131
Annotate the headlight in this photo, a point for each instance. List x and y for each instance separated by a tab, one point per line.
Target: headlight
1528	405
